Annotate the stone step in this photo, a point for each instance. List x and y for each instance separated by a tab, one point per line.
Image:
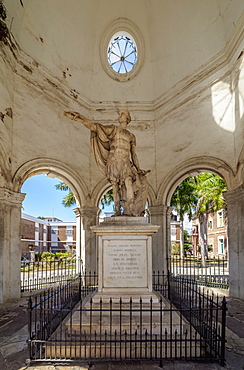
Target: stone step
127	323
124	348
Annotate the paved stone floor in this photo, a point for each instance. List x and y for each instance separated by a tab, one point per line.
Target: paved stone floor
14	351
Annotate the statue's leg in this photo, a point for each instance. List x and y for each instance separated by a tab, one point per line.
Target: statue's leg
130	195
116	194
124	200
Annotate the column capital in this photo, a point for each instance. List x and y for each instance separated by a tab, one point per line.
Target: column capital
10	197
234	195
86	211
159	210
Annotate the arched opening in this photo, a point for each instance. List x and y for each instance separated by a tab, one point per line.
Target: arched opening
213	236
200	199
161	210
46	224
11	263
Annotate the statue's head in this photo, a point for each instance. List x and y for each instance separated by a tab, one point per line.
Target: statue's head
125	113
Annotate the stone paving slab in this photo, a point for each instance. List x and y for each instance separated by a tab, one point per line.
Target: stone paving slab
14	351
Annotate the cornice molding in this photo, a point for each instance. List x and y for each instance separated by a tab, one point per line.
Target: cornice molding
188	88
10	197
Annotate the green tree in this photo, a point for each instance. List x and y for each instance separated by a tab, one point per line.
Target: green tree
107	198
209	188
69	199
184	201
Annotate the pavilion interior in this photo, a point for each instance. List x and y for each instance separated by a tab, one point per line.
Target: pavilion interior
185	96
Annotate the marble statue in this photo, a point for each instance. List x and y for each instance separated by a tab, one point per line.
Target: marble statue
114	150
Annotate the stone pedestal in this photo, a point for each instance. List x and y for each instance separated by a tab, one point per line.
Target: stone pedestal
125	258
125	314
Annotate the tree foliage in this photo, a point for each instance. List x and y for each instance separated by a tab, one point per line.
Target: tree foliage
199	195
69	199
107	198
184	198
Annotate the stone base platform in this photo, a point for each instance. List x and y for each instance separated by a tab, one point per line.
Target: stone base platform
115	329
126	315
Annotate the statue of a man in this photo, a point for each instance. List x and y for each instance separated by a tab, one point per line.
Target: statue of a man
114	150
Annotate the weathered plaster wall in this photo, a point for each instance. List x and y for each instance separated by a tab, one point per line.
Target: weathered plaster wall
65	37
6	113
210	124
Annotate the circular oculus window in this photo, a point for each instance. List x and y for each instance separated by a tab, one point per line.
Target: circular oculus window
122	50
122	53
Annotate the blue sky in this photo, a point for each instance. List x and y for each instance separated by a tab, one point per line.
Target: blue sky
42	199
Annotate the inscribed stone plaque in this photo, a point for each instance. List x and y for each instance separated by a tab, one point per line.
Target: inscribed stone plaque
125	263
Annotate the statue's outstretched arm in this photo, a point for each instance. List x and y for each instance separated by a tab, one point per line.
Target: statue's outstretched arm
75	116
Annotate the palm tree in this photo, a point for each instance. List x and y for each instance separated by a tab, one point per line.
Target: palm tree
107	198
184	200
69	199
210	189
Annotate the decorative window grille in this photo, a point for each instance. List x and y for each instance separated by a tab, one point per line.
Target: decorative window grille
122	54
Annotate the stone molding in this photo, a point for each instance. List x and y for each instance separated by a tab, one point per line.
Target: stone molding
88	212
192	167
124	225
10	197
54	168
158	210
234	195
188	88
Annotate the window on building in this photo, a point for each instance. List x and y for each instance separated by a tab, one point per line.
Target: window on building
220	219
221	246
54	230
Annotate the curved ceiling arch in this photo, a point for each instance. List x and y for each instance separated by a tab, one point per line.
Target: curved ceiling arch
51	168
65	38
194	167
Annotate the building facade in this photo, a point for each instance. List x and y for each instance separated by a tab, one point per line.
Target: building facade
216	235
47	235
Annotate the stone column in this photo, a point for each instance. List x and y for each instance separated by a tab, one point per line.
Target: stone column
235	209
160	215
86	248
10	243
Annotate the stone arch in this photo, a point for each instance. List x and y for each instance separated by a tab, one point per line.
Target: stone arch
193	167
54	168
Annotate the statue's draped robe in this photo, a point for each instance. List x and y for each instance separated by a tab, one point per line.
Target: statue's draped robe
114	167
101	146
100	143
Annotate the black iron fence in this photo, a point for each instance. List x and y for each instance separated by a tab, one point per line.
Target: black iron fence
72	324
46	273
213	272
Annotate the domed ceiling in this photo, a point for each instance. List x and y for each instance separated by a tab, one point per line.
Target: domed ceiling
174	39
